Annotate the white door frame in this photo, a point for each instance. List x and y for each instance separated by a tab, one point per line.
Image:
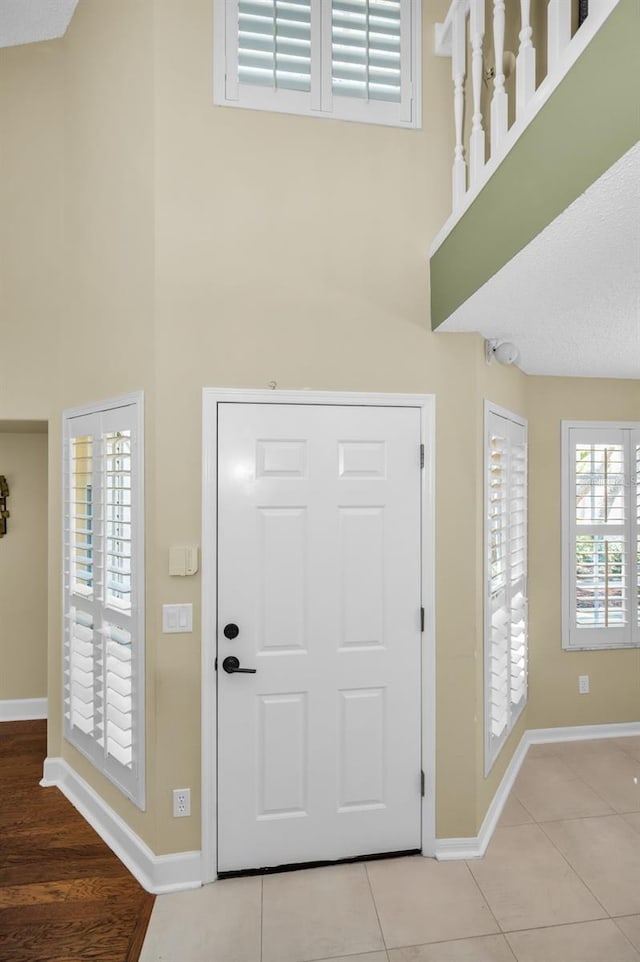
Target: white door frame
211	397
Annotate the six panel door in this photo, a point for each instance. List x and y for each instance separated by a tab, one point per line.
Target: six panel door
319	569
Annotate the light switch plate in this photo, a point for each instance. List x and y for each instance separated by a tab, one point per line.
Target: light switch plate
177	619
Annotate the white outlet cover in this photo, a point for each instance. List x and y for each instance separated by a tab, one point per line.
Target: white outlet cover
181	802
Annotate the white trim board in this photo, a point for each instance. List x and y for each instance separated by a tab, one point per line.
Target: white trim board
23	709
156	873
211	397
161	874
476	846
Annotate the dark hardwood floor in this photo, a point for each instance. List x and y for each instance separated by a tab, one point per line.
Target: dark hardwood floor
64	896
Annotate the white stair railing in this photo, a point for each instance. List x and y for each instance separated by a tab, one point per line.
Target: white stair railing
451	41
499	101
459	71
558	31
526	60
477	143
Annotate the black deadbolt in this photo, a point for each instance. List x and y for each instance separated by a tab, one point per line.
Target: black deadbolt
231	631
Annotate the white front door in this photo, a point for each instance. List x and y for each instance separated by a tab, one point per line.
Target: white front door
319	513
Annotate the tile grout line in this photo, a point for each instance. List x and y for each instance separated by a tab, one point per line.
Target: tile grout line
588	784
560	925
358	955
579	778
575	871
624	934
261	917
575	818
484	898
520	802
375	906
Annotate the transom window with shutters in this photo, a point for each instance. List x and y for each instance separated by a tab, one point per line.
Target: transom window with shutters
505	606
103	515
601	534
348	59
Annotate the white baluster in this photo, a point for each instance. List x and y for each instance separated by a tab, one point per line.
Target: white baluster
459	68
499	101
476	147
526	62
558	31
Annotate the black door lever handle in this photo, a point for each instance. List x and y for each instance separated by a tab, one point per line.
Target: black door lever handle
231	665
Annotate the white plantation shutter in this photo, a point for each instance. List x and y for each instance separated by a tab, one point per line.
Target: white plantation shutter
506	577
636	444
366	59
498	658
103	590
600	535
350	59
518	566
274	43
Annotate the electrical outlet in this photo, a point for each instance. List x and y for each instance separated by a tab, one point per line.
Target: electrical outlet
583	684
181	802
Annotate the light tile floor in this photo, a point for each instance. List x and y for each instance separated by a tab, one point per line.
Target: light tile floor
560	882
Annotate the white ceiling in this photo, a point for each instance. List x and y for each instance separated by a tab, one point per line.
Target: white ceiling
570	301
27	21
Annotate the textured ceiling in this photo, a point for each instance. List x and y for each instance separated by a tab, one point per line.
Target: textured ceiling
27	21
570	300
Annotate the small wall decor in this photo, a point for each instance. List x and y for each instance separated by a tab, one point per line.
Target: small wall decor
4	514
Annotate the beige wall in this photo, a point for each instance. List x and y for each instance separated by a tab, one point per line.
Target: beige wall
23	567
77	265
615	675
295	250
108	268
178	245
30	228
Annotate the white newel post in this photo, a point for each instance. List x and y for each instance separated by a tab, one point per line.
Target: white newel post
499	101
558	31
476	147
526	62
458	66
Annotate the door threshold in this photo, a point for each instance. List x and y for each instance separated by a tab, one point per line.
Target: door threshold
297	866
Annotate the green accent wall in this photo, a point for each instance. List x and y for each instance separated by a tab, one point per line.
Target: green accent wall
587	124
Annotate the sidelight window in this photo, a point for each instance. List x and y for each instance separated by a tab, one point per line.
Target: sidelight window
505	604
103	515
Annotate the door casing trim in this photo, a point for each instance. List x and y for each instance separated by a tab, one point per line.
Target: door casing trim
211	397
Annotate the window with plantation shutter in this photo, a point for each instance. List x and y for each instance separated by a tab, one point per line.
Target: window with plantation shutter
505	635
103	515
601	540
348	59
274	44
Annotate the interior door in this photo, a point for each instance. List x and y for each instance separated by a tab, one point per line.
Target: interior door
319	513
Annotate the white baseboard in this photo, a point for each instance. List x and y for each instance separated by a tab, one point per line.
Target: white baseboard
156	873
543	736
23	709
476	846
160	874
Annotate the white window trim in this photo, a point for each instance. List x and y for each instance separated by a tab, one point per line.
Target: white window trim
320	102
568	549
493	747
133	788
